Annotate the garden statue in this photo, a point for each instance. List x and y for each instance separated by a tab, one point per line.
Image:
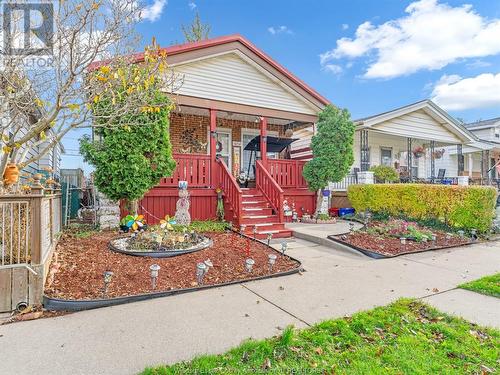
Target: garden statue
324	202
287	211
182	215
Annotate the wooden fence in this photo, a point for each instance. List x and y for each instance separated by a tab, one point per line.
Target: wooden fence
29	227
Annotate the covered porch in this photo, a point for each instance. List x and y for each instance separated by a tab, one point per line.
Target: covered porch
415	140
209	149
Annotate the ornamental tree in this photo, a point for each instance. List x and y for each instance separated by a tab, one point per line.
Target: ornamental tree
42	99
130	160
332	148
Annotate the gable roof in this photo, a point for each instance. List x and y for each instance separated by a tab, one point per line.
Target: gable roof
484	124
175	53
427	106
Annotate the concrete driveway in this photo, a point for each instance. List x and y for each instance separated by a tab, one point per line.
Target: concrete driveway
127	338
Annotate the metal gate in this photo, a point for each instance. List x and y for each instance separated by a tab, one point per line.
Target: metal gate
15	255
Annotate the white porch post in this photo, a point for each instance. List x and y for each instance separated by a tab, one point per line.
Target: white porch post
471	164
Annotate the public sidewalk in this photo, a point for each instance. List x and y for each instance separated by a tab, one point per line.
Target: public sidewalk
125	339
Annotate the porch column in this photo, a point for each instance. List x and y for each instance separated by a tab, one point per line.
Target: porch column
263	140
433	160
485	162
364	150
213	151
471	164
460	160
409	158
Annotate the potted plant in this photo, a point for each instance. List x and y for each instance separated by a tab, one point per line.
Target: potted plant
220	204
243	179
384	174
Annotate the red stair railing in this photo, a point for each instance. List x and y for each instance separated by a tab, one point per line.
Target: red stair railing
270	189
287	173
231	189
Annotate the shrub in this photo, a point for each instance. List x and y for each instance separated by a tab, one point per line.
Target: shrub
464	207
384	173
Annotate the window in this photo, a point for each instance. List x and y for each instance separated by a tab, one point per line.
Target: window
386	156
497	133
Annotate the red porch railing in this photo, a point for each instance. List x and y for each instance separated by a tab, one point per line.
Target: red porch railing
231	189
287	173
193	168
270	188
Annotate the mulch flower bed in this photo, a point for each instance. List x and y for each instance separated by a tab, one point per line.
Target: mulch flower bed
77	269
389	246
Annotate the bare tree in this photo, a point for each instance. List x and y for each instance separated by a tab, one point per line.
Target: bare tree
197	30
39	105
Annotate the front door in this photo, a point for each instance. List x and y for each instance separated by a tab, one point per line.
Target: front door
223	146
246	137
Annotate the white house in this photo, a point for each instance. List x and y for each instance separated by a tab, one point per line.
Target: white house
15	124
414	139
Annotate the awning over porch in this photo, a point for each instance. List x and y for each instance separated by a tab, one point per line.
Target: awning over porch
274	144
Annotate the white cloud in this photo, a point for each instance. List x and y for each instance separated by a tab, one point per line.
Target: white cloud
279	30
192	5
457	93
153	11
430	37
345	26
476	64
333	68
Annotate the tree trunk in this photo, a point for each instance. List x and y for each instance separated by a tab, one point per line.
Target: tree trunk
319	198
132	206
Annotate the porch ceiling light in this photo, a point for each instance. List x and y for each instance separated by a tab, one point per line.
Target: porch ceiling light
200	272
271	261
249	264
154	270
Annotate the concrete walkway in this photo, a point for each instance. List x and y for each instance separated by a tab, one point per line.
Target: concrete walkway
127	338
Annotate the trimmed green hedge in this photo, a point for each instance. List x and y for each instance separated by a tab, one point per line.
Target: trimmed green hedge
465	207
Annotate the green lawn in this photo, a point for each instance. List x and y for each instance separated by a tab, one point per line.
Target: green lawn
489	285
406	337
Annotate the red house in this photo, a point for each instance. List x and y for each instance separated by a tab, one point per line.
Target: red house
231	93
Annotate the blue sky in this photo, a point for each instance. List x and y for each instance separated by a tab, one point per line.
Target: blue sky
367	56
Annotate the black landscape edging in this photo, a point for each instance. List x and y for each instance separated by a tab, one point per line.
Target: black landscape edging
375	255
58	304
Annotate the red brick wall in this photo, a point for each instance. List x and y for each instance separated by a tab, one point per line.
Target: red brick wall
189	133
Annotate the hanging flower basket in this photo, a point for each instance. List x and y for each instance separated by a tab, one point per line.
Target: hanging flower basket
438	154
418	152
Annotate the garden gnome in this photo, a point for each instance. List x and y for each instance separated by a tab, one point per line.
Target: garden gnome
182	215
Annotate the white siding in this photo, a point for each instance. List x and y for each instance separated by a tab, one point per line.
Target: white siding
303	141
419	125
229	78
